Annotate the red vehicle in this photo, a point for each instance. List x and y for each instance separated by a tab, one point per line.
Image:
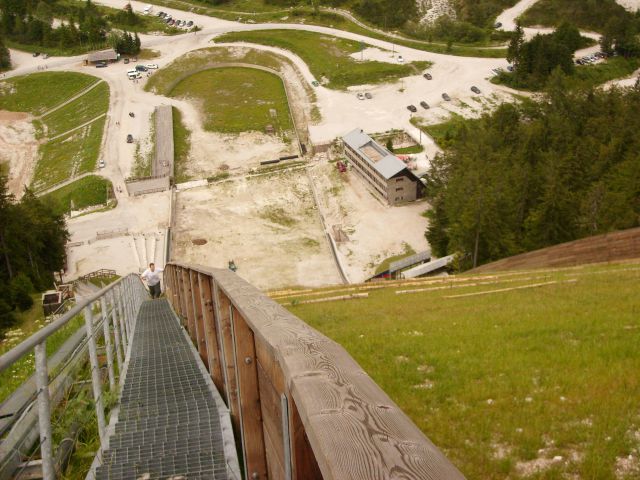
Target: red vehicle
341	167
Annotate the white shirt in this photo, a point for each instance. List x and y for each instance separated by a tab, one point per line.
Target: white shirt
152	278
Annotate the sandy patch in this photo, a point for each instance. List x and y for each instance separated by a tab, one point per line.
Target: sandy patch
376	231
18	148
268	225
631	5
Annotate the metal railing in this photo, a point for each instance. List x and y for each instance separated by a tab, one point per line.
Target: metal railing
300	405
118	304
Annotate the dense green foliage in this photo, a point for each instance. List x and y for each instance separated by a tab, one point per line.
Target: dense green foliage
125	43
538	174
587	14
32	247
5	57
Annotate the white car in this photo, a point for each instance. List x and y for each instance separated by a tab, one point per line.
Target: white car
152	66
360	96
400	59
101	164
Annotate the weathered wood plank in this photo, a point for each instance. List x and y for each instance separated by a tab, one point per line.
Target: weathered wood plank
249	397
188	304
201	342
271	412
303	458
214	353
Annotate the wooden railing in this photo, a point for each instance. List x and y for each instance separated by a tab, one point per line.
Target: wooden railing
301	407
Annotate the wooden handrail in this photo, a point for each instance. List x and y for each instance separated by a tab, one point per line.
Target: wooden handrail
301	406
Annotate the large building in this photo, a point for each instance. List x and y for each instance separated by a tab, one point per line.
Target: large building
385	173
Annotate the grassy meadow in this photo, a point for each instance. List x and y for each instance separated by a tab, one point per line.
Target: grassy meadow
39	92
83	109
68	155
504	382
86	192
237	99
328	57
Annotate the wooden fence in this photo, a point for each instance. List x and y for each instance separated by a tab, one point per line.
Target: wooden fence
301	407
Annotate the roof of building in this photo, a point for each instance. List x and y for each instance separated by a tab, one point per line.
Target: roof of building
428	267
378	157
409	261
102	55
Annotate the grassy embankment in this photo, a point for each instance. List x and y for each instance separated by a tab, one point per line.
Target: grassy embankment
75	148
505	381
259	12
443	132
181	147
328	57
86	192
238	99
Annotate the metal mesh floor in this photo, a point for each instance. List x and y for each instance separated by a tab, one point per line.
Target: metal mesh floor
168	424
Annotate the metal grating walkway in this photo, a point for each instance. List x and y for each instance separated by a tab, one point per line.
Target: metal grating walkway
168	424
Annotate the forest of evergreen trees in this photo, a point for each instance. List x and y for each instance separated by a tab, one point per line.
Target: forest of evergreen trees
32	248
536	174
84	26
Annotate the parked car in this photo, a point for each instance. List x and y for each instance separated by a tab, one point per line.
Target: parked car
412	108
129	138
101	65
368	96
152	66
497	25
360	96
446	97
315	83
161	14
172	22
427	76
190	23
424	105
35	54
475	89
141	68
400	59
101	164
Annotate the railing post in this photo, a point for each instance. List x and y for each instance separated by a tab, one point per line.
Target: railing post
95	374
44	412
210	331
249	397
123	322
196	298
116	329
107	342
188	300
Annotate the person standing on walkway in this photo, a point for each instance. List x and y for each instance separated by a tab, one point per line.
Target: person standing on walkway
150	275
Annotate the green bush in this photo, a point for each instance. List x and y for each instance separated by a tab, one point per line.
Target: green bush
21	288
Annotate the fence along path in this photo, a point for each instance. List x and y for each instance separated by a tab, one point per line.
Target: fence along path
303	407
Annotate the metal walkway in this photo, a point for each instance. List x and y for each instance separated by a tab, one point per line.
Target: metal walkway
169	423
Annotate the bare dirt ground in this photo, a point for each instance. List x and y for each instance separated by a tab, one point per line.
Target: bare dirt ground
376	231
18	148
267	224
631	5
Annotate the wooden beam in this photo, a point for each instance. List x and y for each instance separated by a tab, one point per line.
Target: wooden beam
188	304
214	354
249	395
222	308
201	342
303	462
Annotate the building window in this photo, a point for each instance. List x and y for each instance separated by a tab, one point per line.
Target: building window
399	189
401	179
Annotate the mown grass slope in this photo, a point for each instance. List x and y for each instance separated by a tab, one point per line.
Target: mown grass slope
237	99
506	381
86	192
328	56
40	92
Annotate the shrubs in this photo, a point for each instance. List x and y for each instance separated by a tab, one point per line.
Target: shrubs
21	288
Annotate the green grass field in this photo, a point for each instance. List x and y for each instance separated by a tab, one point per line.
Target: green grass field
181	147
443	132
39	92
78	112
328	57
86	192
505	381
237	99
68	155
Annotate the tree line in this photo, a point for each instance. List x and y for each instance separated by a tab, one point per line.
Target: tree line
32	248
5	57
536	174
83	26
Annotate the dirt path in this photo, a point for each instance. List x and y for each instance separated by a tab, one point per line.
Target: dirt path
508	17
18	148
